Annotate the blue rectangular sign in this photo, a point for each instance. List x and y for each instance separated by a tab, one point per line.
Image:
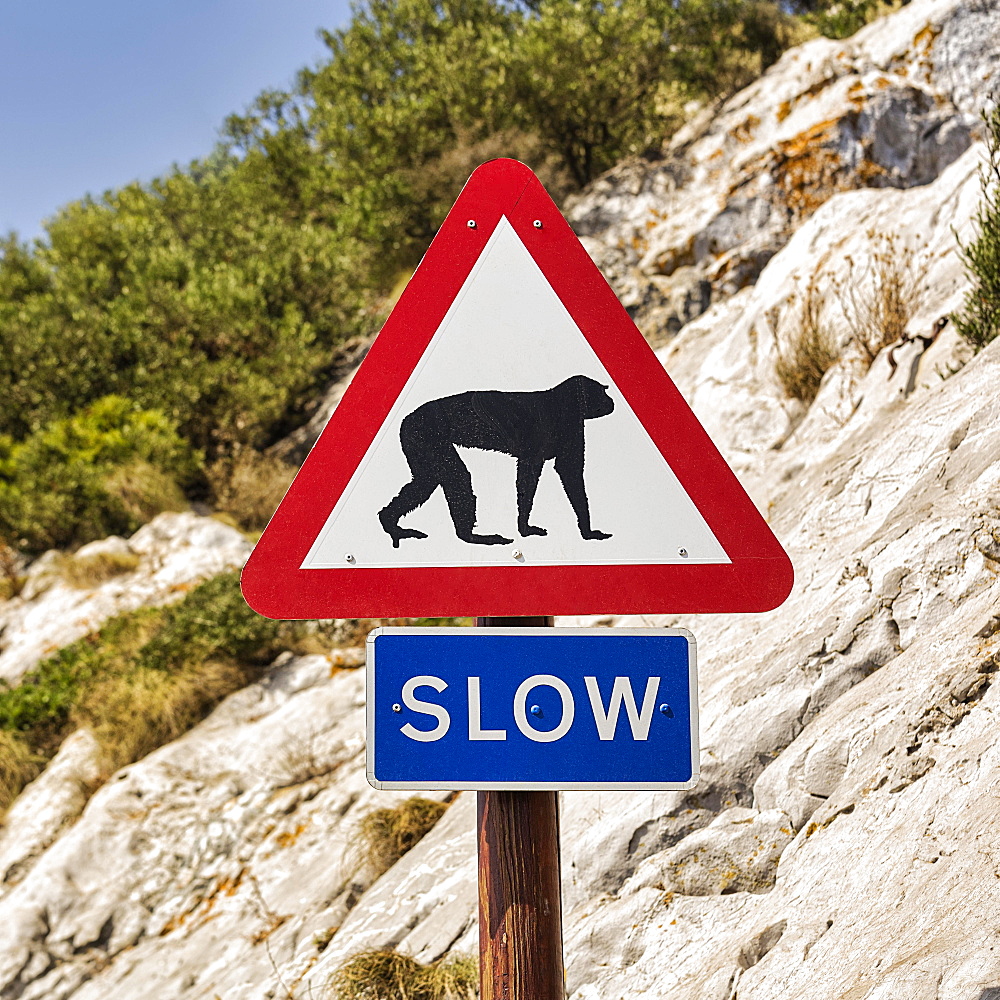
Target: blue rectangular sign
532	708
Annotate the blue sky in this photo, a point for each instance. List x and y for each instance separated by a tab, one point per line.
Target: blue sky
97	93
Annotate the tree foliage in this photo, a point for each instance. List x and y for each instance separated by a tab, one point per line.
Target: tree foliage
218	295
105	470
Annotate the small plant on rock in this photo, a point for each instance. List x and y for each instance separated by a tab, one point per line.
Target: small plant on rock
979	320
248	485
881	296
84	571
387	834
385	974
808	351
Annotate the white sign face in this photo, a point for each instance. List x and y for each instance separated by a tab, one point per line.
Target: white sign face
510	444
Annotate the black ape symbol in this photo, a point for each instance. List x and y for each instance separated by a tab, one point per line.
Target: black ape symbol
530	426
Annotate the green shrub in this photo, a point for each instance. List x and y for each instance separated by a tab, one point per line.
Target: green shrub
842	18
385	974
103	471
142	680
979	320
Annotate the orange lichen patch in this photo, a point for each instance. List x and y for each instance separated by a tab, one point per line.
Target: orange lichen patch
784	110
288	837
715	155
744	132
920	54
808	169
924	39
201	911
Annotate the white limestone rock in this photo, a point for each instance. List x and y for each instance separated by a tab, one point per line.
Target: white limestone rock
48	805
887	108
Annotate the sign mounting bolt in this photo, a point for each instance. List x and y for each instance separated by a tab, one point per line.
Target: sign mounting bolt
518	554
471	223
667	710
683	553
350	557
537	223
397	707
536	709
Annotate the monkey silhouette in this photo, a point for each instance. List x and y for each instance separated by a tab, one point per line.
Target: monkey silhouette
532	427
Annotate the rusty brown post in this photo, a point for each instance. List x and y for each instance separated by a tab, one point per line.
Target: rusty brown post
520	904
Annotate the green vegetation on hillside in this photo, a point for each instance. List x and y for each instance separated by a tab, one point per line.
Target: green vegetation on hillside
142	680
979	320
214	300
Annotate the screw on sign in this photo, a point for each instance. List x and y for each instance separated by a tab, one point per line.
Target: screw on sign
512	448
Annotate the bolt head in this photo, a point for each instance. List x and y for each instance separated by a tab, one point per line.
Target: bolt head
397	707
683	553
536	710
471	223
349	557
517	554
537	223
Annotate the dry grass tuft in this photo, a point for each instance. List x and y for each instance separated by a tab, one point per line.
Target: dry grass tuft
808	352
881	296
384	974
18	765
249	486
84	572
133	713
143	490
11	577
387	834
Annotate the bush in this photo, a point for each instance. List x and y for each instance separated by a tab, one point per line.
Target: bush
385	974
979	320
142	680
104	471
387	834
842	18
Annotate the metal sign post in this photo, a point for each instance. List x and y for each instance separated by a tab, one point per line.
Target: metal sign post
520	893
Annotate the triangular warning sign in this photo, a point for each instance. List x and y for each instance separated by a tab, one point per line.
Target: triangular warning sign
512	446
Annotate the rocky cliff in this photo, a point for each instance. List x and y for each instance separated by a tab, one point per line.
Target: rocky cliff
843	840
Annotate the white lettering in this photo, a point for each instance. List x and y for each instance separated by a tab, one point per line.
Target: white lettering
521	717
476	732
425	708
622	691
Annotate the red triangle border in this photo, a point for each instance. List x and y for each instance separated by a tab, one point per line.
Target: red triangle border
759	577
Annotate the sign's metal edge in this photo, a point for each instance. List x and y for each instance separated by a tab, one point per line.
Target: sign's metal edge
541	786
370	709
596	630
